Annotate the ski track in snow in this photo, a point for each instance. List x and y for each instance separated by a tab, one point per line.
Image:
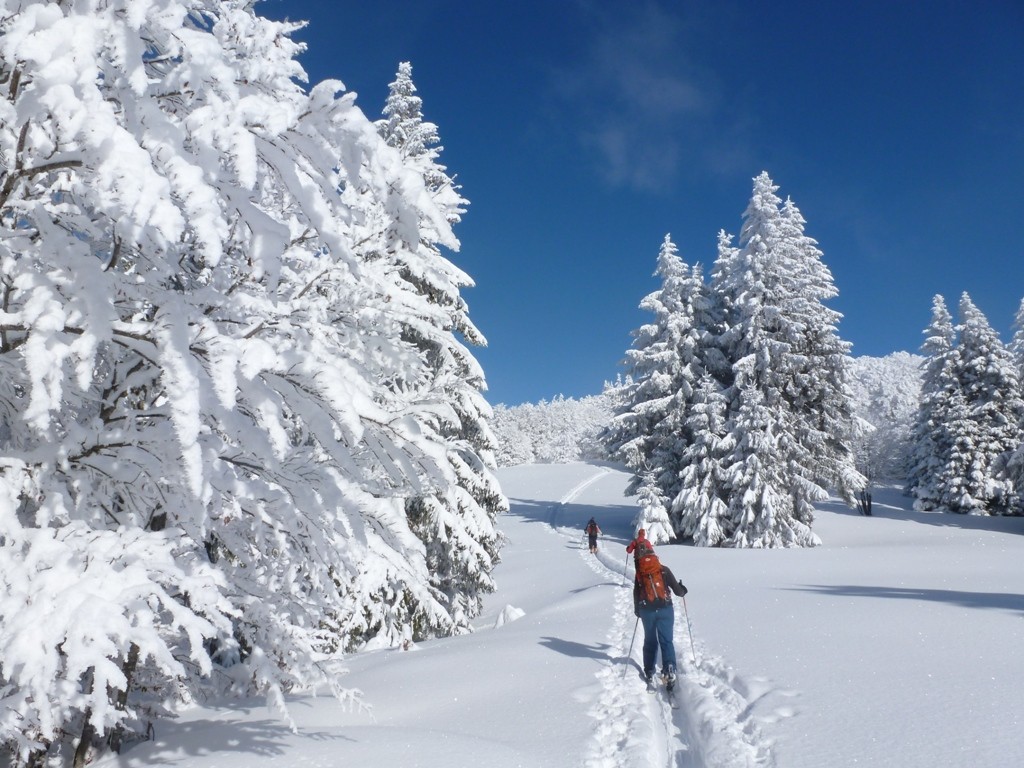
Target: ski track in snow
713	727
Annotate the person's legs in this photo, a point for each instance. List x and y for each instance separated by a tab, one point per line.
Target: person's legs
664	621
649	618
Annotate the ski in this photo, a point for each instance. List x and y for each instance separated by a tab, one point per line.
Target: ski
664	684
671	694
673	697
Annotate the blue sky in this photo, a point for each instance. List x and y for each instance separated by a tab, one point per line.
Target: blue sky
584	131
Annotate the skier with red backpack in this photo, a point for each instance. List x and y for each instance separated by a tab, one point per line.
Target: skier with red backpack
652	604
593	530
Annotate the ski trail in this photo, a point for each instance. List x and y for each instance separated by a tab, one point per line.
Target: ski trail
572	494
627	735
713	726
553	511
718	703
635	728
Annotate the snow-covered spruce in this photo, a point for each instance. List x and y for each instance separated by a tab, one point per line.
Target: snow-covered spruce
455	520
970	423
649	431
791	414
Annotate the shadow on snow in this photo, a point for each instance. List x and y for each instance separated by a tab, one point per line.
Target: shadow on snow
996	600
577	650
891	503
616	521
267	738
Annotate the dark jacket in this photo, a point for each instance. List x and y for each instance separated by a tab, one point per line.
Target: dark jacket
640	600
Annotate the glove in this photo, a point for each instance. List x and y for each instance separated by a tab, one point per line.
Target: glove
685	590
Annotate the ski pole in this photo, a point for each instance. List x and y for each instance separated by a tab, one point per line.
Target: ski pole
625	565
689	631
629	654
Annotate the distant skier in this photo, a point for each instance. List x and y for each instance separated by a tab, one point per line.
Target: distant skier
640	546
652	604
593	530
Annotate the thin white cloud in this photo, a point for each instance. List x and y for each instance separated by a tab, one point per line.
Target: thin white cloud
644	106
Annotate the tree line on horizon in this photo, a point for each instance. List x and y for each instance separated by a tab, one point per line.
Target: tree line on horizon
886	392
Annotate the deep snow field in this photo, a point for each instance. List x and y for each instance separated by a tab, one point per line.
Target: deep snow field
899	642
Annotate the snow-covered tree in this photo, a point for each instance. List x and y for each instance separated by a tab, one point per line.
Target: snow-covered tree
195	443
418	141
457	526
701	507
970	421
983	424
1016	345
1015	462
761	503
886	392
649	433
652	512
790	407
561	430
818	391
938	384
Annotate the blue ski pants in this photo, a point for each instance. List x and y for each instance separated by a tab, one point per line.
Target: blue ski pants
658	624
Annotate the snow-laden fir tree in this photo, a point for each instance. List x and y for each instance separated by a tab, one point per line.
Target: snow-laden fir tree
419	143
701	507
938	386
202	480
1016	345
819	391
790	409
652	513
456	520
760	507
1015	464
984	423
649	432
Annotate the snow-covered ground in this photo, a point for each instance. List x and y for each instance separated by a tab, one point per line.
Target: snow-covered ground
898	643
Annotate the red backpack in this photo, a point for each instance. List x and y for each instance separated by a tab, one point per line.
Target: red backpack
648	574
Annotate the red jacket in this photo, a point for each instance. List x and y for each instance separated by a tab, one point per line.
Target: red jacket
639	541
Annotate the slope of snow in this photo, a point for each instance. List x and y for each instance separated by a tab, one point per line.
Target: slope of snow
896	643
